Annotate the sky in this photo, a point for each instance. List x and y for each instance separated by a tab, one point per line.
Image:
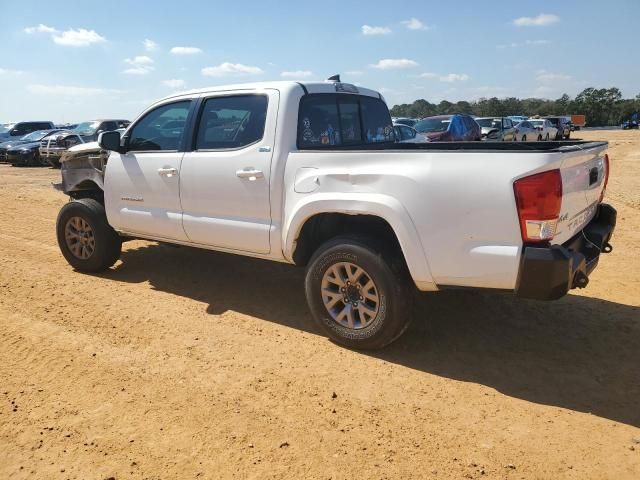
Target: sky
70	62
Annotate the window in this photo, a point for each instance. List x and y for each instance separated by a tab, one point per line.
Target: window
231	122
407	133
376	122
330	120
160	129
108	126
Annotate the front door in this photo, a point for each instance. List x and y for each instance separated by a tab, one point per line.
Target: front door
224	181
142	185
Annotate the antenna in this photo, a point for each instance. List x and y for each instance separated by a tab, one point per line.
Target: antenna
334	78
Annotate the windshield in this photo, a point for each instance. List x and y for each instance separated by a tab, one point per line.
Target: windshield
489	122
433	125
35	136
86	128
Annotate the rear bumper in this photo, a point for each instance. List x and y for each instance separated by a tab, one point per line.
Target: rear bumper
548	273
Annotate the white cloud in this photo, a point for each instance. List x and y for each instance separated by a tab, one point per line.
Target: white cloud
548	77
68	90
537	42
185	50
540	21
449	78
454	77
41	28
173	83
297	74
140	65
394	63
74	37
8	71
139	60
80	37
414	24
150	45
369	30
228	68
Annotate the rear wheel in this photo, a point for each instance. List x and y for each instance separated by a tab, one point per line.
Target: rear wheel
85	238
524	138
539	138
546	139
360	298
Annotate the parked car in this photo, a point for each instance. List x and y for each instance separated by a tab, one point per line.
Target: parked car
515	119
4	146
20	129
526	132
545	128
630	124
496	128
406	134
85	132
564	128
449	128
369	227
26	151
410	122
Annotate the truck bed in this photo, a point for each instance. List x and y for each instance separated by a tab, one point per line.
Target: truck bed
520	147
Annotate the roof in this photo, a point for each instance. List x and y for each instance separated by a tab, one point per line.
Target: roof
287	86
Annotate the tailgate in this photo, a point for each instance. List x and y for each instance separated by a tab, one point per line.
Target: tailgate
583	180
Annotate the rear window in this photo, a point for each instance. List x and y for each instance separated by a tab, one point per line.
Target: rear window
327	120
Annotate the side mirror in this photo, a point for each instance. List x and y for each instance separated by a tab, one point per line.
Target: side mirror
110	141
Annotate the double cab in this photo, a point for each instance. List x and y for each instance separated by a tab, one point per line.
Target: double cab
310	174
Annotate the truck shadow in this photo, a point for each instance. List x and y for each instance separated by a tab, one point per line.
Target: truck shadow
577	353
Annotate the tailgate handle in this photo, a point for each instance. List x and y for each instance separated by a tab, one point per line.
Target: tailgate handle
593	175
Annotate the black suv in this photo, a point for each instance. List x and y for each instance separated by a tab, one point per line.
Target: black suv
20	129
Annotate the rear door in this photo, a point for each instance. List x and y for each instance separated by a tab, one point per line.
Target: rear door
224	180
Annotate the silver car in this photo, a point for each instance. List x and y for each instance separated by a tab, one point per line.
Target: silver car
496	128
547	130
526	132
406	134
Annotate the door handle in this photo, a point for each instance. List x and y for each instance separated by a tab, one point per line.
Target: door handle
250	173
169	172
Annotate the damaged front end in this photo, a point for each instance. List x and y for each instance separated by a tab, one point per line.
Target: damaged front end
82	168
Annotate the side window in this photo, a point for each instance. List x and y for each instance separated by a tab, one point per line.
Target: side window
231	122
161	128
376	121
318	121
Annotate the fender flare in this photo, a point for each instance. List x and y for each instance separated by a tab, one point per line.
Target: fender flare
383	206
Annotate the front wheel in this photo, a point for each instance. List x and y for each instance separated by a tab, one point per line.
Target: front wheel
524	138
546	139
359	299
85	238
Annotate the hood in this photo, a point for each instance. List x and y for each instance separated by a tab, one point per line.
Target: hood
437	136
11	143
24	146
87	151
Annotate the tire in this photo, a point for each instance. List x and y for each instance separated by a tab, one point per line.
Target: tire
100	246
546	139
539	138
524	138
389	316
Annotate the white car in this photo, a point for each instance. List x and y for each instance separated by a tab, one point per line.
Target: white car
407	134
545	128
310	174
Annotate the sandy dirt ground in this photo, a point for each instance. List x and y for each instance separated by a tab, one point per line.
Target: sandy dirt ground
181	363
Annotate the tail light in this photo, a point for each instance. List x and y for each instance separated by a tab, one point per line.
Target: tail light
538	199
606	175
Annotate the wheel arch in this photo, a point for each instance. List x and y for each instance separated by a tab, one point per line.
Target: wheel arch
382	213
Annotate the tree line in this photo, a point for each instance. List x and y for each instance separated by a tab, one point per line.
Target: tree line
601	106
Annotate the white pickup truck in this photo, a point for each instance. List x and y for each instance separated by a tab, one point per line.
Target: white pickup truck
310	174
